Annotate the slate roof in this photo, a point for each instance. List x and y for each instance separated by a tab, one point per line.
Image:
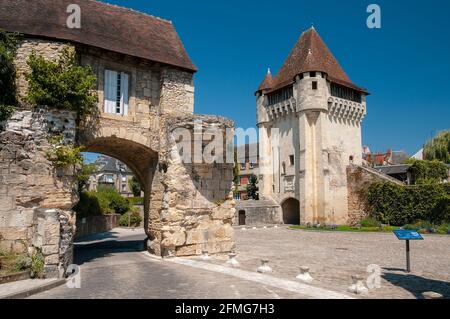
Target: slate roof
103	25
310	53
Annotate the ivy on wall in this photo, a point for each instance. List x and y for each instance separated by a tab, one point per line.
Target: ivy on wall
62	84
398	205
8	48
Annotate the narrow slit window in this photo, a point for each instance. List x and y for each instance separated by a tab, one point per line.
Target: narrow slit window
314	85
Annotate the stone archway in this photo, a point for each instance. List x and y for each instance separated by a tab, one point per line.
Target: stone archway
291	211
142	160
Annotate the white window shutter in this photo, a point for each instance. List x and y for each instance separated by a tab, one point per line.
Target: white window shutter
110	91
124	93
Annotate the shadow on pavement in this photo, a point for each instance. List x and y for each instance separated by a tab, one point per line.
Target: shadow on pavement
106	235
89	251
418	285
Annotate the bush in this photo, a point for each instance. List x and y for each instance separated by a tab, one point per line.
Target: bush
106	200
120	205
136	200
62	154
441	212
37	265
399	205
8	48
132	218
135	186
428	172
88	205
62	84
370	222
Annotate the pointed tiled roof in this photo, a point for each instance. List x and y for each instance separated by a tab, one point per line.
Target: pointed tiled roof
103	25
310	53
267	84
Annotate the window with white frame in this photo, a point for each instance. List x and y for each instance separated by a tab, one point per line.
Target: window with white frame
116	92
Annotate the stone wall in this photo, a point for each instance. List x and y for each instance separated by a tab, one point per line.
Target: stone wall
188	208
259	212
96	224
359	179
35	197
197	200
49	49
177	92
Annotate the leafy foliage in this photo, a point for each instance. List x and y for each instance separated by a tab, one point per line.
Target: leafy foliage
83	177
428	172
106	200
135	186
132	218
62	84
8	49
252	189
62	154
37	264
136	200
438	148
11	262
399	205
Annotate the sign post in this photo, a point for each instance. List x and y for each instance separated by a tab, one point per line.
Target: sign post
407	235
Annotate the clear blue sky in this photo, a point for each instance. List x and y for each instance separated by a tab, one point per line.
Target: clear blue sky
405	64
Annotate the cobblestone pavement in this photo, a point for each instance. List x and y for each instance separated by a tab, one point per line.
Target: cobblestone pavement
115	267
334	256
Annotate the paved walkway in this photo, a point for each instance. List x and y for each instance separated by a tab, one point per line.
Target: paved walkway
334	256
117	268
24	286
114	266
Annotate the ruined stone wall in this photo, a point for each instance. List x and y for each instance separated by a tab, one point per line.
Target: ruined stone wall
359	179
177	92
259	212
35	197
197	200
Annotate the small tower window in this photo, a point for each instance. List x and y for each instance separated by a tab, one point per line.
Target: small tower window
291	160
312	74
314	85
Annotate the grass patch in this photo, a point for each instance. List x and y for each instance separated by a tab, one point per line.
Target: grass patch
11	263
344	228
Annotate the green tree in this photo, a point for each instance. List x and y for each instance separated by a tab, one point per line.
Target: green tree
62	84
8	49
85	173
252	189
236	172
135	186
438	148
428	172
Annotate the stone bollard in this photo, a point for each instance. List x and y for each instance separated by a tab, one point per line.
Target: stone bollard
304	274
232	260
275	226
265	227
358	287
264	266
243	228
254	227
432	295
205	255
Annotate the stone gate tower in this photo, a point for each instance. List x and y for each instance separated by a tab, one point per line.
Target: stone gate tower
309	115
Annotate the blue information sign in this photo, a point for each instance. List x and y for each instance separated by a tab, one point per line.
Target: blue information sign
407	234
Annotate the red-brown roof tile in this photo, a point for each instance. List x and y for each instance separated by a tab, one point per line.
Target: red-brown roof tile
267	83
102	25
310	53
